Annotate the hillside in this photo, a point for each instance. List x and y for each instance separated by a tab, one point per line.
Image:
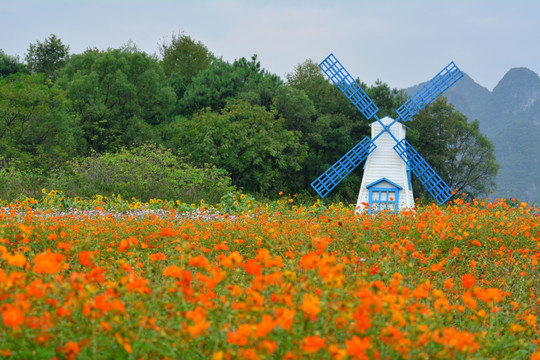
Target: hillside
510	117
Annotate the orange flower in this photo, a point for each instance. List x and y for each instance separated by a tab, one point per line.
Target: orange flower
48	262
265	326
71	350
363	322
252	267
468	280
174	271
310	305
490	295
469	301
320	243
476	243
309	261
16	259
103	303
451	338
531	320
124	342
285	317
198	328
137	284
232	260
436	267
125	244
157	257
313	343
240	336
198	316
448	284
12	316
167	232
199	261
391	335
357	347
62	311
85	258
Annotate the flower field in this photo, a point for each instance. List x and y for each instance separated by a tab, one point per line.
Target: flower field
117	280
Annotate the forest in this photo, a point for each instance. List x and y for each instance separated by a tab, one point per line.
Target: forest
188	125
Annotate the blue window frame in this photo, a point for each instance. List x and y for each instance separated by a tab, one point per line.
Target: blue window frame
385	197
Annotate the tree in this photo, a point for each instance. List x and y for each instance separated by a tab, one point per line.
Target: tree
387	100
326	97
247	141
330	138
223	81
296	108
185	57
9	65
182	59
35	125
309	78
455	149
119	96
47	57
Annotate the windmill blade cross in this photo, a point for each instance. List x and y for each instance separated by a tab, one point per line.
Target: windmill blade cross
343	167
429	92
425	173
348	86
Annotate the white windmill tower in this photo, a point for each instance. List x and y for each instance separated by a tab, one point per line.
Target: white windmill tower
386	184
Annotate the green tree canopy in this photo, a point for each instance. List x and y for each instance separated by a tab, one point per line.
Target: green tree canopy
247	141
184	56
118	95
296	108
326	97
9	65
223	81
35	125
48	56
182	59
387	100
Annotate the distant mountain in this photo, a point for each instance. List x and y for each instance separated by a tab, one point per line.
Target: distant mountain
517	149
510	117
466	95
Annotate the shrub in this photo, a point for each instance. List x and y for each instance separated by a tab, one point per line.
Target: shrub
17	180
144	173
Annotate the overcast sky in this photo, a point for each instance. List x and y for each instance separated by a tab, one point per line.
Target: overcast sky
400	42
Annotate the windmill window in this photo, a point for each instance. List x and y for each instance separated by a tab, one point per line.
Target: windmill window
383	195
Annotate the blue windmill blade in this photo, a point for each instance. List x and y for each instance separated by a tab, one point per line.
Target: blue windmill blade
425	173
343	167
348	86
429	92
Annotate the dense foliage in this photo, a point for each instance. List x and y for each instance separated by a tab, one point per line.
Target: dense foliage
106	278
269	135
118	96
143	172
36	126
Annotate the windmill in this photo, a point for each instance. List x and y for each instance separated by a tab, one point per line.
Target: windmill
386	184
